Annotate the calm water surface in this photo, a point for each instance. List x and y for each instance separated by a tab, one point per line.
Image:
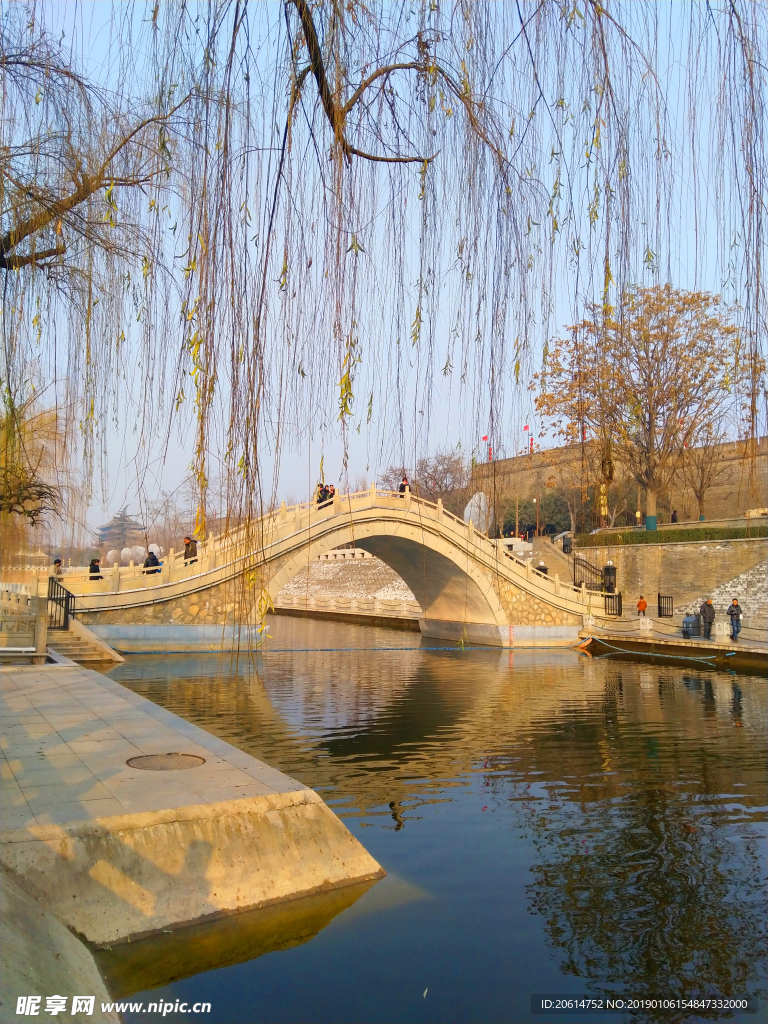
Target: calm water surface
549	823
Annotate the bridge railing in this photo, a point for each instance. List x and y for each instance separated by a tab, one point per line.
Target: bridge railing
277	525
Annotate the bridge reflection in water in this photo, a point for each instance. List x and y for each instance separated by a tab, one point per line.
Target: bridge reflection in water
581	825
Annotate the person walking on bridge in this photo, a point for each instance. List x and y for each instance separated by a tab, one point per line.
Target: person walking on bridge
190	551
707	613
322	494
642	604
734	614
404	486
94	569
151	564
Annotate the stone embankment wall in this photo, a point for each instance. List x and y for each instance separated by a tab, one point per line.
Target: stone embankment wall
688	571
367	578
750	588
230	603
525	610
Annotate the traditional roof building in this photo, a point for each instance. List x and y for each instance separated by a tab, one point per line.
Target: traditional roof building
121	530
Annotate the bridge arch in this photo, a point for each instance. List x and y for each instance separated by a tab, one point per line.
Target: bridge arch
445	580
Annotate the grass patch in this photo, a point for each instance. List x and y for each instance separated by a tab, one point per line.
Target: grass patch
695	533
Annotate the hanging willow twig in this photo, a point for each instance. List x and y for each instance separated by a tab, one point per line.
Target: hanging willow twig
202	221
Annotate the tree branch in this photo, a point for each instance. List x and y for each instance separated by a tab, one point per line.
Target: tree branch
392	159
88	185
15	261
318	70
336	116
413	66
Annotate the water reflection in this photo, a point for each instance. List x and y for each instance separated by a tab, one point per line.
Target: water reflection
181	953
628	803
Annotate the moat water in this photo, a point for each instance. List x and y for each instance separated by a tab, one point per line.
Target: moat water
550	824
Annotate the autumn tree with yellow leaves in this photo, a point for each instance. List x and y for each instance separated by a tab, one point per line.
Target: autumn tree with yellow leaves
646	380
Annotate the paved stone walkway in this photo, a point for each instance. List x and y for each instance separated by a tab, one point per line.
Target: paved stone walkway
68	732
115	851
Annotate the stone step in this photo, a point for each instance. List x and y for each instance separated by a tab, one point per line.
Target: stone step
76	647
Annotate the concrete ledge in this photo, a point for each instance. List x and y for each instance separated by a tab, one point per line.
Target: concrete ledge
115	851
40	957
545	636
122	877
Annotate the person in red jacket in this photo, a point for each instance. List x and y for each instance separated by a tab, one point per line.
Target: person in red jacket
642	604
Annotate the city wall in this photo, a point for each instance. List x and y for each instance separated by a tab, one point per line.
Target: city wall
741	482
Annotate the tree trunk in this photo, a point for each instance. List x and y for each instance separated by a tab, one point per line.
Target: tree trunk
700	500
572	514
651	495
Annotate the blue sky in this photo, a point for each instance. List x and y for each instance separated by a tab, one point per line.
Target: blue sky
418	408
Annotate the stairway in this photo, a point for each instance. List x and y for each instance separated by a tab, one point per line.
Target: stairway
552	556
78	644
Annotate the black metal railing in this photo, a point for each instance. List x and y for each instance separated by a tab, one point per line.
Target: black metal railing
586	573
666	606
613	604
61	605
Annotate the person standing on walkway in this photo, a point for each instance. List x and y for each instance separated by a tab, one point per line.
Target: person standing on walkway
57	570
404	486
735	615
707	613
190	551
95	569
642	604
674	516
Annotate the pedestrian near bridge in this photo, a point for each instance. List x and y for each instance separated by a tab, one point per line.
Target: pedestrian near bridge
642	606
190	551
735	615
707	612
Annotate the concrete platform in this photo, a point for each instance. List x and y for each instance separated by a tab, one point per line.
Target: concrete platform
115	851
39	957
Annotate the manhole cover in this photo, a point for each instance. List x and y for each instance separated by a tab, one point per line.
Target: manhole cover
165	762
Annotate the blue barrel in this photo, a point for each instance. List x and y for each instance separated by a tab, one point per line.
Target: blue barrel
691	626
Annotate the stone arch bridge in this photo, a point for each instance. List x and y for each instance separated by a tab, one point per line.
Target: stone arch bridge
468	586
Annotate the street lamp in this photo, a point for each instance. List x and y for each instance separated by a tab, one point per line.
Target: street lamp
536	503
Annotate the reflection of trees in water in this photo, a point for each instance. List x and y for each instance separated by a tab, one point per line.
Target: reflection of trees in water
646	877
654	886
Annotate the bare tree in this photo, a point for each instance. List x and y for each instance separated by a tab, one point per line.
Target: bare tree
445	475
702	463
674	365
391	478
